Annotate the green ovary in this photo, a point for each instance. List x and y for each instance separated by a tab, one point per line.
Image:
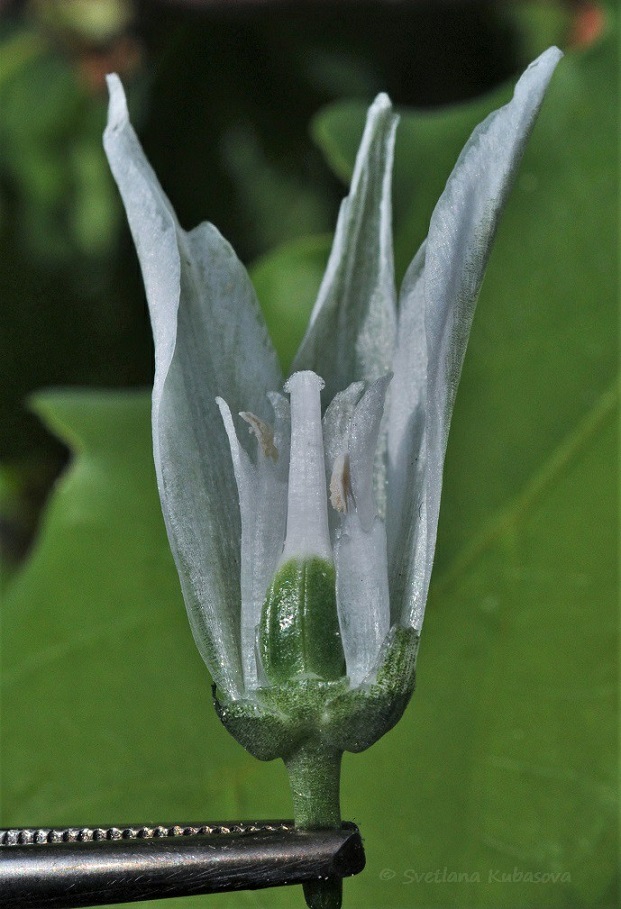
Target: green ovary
299	632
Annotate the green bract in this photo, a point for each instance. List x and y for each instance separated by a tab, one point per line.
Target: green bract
305	548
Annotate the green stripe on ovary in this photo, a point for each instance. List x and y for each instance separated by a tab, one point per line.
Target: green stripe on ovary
299	633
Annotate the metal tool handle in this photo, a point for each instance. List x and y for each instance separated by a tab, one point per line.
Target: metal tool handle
71	867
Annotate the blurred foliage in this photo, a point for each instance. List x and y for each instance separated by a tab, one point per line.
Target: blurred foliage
82	20
507	756
50	148
64	320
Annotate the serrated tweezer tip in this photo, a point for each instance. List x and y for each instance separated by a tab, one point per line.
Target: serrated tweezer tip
60	868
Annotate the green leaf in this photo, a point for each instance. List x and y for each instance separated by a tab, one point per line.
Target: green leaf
506	758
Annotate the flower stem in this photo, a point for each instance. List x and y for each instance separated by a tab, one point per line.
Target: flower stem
315	777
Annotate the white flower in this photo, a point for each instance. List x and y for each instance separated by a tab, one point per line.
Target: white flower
232	500
305	555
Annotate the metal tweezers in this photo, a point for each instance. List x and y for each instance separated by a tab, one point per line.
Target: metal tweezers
43	868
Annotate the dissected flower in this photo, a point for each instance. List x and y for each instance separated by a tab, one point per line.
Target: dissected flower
303	515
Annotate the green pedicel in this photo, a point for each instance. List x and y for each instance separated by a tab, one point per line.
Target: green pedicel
307	714
310	721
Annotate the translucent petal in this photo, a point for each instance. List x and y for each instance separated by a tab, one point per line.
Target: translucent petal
361	594
363	441
210	339
405	528
352	328
337	420
460	237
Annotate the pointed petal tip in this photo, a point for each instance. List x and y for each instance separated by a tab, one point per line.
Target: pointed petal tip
380	114
227	416
117	107
552	55
381	103
223	407
541	69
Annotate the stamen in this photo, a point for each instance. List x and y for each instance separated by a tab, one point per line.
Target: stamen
263	433
340	484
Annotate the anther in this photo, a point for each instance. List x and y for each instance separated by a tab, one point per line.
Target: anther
340	484
263	433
